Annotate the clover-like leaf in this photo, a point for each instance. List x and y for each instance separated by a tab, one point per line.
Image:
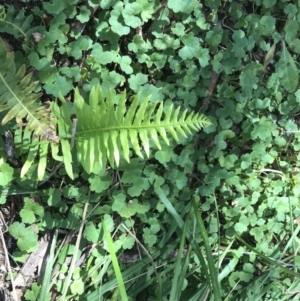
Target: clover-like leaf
102	57
214	36
184	6
139	45
106	4
83	43
6	173
240	43
291	29
164	156
267	25
27	239
147	8
269	3
228	161
117	22
31	211
203	57
158	59
242	225
32	295
128	243
99	183
112	79
61	85
178	29
249	76
92	233
166	42
77	287
125	63
54	7
264	129
191	46
84	14
125	209
149	238
137	80
129	13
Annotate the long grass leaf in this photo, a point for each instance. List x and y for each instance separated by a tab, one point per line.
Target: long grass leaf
210	260
114	259
176	288
46	284
130	273
180	224
267	259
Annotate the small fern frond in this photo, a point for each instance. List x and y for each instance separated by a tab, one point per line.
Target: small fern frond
107	131
18	25
17	97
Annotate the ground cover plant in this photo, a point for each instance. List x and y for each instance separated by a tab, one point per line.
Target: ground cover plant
149	150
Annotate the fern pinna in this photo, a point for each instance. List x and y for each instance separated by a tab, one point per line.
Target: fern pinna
106	128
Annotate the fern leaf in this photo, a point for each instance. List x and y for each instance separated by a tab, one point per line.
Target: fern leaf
18	25
64	127
17	96
21	103
107	131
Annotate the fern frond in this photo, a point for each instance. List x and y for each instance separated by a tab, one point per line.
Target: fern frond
17	97
37	124
107	131
18	24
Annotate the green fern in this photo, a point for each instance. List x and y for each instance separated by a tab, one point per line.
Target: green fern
17	97
36	121
106	128
18	25
106	131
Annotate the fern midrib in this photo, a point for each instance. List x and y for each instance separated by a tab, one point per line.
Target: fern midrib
133	127
15	26
19	101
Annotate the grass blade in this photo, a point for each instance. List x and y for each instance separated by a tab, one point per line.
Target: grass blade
130	273
270	261
189	236
176	288
210	260
114	259
46	284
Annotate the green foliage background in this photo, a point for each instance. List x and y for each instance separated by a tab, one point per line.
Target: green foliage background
242	171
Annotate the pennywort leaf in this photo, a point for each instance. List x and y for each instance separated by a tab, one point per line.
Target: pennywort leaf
31	211
190	48
184	6
27	239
